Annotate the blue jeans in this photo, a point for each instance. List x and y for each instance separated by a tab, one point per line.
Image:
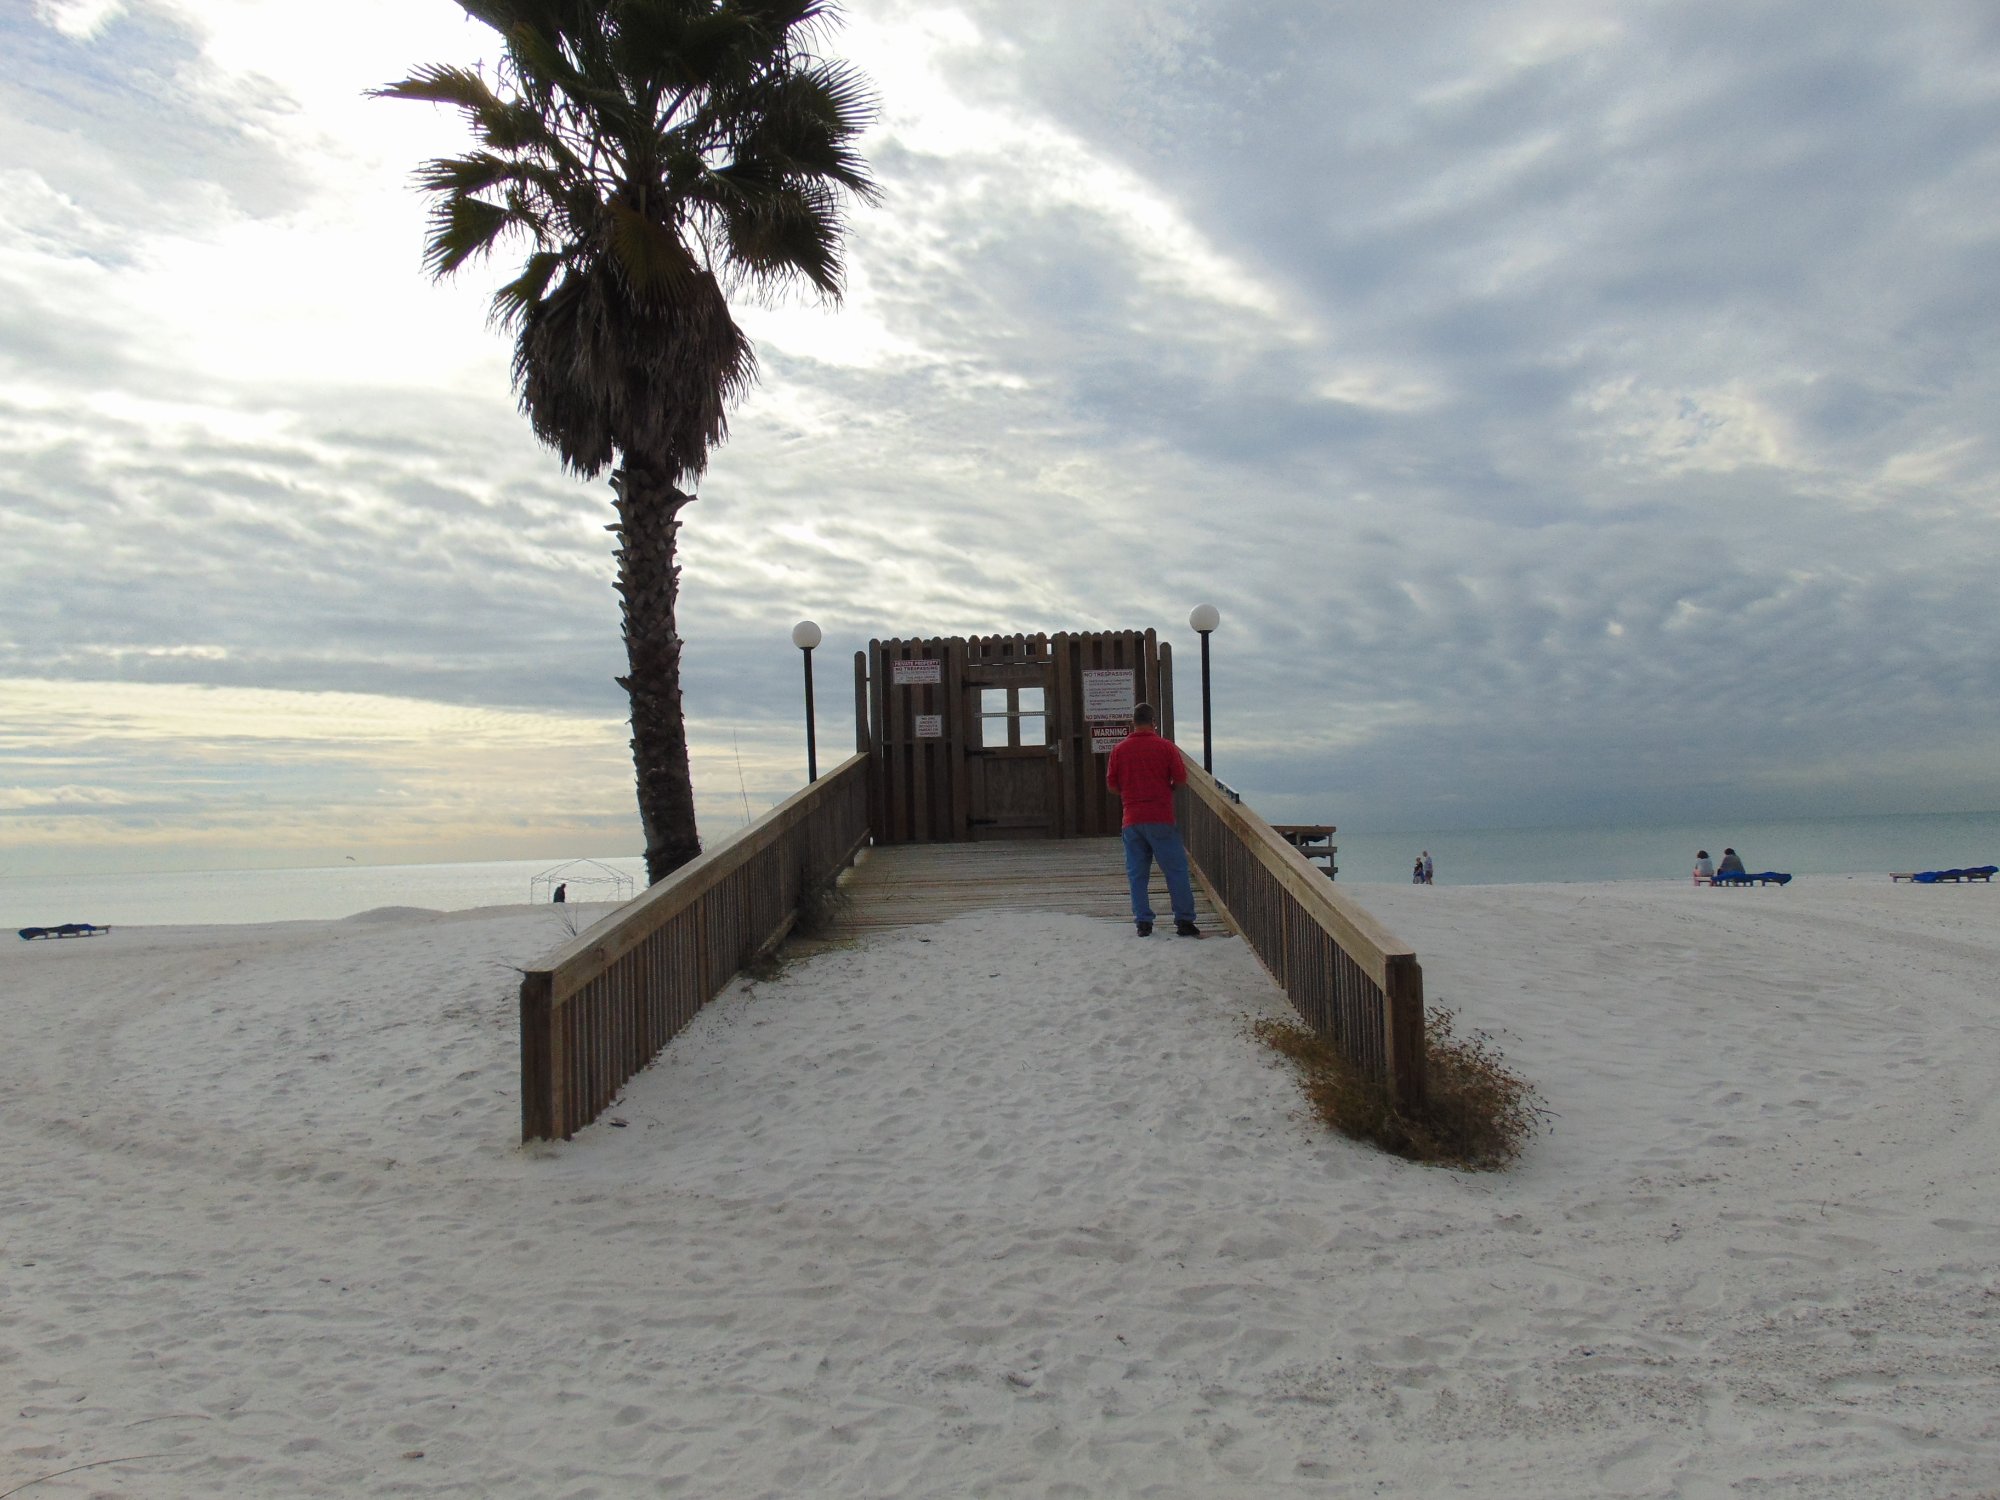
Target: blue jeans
1144	843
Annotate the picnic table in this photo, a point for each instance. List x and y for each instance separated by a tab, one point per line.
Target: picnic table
1314	841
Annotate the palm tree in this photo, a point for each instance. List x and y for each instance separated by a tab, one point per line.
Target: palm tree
648	155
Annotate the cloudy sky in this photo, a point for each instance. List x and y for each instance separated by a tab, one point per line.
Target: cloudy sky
1580	412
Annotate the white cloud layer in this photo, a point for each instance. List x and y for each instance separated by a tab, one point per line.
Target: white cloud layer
1578	411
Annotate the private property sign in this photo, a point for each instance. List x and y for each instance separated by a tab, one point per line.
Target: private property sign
1108	695
926	669
1108	700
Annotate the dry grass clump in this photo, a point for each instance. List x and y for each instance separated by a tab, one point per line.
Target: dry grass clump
822	910
766	965
819	914
1477	1116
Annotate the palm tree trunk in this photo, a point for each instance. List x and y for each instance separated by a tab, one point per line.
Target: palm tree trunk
649	583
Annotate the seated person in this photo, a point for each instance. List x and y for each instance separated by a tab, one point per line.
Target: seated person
1732	863
1704	868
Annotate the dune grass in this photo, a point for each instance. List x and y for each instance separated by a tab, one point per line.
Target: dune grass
1478	1115
819	914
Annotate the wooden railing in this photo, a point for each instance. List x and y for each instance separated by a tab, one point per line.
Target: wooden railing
607	1002
1351	981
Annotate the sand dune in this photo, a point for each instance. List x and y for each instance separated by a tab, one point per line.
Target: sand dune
1011	1206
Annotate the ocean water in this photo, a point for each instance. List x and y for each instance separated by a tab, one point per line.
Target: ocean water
1803	847
231	896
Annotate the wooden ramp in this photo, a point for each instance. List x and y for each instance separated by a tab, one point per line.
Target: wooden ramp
909	885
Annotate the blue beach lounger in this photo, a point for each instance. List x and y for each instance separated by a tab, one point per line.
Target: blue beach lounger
66	930
1766	877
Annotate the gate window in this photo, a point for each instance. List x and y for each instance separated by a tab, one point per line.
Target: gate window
1029	715
1010	716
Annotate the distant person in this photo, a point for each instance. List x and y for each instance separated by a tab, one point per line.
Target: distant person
1143	770
561	895
1417	871
1430	870
1732	863
1704	868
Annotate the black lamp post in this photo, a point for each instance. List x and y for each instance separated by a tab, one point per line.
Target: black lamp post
1204	618
806	635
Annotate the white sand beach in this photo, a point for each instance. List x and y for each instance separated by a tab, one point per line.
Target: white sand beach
1012	1206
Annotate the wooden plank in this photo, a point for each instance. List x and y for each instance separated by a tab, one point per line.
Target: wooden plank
1110	810
537	1074
957	730
880	817
863	744
1066	708
916	699
895	774
909	885
1060	724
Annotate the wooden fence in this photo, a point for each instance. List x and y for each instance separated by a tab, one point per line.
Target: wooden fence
918	709
1351	981
611	999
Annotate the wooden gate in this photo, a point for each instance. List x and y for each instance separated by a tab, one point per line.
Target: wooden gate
1001	736
1011	761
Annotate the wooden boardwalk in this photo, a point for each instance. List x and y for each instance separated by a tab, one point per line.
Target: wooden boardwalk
910	885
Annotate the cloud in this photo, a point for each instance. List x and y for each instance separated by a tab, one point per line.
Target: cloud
179	774
1546	397
63	799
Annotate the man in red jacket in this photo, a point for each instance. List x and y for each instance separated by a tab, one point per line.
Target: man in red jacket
1144	770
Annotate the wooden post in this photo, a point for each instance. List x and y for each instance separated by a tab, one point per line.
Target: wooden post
862	744
1070	734
1403	1030
959	724
537	1074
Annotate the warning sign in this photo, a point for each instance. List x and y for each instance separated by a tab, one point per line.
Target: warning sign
929	669
1108	695
1104	738
930	726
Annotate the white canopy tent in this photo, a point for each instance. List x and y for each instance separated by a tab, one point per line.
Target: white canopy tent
583	880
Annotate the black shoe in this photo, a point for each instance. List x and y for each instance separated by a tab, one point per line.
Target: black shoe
1186	929
1145	929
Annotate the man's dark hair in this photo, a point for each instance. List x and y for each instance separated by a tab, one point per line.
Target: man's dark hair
1142	713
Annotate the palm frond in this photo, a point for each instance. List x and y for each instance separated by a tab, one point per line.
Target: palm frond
553	17
439	83
542	54
807	124
649	254
648	38
516	126
719	50
786	17
518	298
791	232
461	228
466	174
